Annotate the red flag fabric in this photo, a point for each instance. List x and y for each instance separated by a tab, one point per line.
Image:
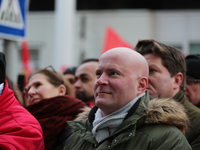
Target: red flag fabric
112	40
63	68
26	66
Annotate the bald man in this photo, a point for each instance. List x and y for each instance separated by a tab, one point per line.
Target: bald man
118	121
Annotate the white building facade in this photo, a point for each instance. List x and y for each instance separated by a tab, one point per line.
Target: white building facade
87	32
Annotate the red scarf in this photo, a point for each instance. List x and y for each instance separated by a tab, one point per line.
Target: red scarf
52	115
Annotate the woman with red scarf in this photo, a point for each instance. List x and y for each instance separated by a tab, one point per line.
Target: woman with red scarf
49	100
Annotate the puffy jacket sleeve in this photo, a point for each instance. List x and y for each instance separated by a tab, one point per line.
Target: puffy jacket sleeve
23	133
173	140
21	138
19	130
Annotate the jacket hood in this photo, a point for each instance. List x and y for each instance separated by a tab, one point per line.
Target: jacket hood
84	114
167	111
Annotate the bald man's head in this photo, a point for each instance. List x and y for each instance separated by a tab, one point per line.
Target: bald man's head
122	75
132	59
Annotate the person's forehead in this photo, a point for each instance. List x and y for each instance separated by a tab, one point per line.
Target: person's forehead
69	76
110	58
37	78
113	63
153	59
109	65
86	68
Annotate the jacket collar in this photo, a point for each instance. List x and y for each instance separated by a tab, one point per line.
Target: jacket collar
179	97
91	115
128	126
137	106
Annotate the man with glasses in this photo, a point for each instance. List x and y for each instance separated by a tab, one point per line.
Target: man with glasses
192	87
167	78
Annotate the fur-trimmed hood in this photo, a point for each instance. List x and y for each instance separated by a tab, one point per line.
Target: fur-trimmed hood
84	114
167	111
159	111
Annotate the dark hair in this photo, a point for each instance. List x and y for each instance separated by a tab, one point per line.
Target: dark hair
193	65
70	70
172	58
53	78
90	60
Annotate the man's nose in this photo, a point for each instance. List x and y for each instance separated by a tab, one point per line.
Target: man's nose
77	84
102	80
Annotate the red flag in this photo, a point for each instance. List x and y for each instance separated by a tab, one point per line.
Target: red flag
26	66
63	68
112	40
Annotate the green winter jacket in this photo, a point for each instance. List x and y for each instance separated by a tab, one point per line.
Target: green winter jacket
133	134
193	135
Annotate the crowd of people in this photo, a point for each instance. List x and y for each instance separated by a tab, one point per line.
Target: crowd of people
144	99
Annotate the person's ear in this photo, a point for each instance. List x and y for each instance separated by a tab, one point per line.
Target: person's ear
62	90
142	85
178	79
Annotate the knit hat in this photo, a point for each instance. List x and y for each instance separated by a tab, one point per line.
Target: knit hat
70	70
2	68
193	65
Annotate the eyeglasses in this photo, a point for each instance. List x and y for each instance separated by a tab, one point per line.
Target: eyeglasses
50	66
191	81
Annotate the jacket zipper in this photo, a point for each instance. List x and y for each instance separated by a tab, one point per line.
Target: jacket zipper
97	145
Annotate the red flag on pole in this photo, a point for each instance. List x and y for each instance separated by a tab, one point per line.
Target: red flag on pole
26	66
112	40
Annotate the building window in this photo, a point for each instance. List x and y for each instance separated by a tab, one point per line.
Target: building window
195	48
